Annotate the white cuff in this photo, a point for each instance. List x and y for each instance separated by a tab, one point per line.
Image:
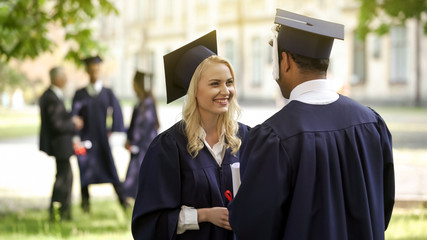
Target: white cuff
187	220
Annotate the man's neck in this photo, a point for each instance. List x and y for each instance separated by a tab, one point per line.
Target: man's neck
310	76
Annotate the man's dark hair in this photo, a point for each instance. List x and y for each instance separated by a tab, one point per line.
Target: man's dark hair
308	65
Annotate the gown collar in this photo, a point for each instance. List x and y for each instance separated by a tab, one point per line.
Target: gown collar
316	92
95	88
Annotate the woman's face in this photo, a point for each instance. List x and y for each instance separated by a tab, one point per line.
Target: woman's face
215	89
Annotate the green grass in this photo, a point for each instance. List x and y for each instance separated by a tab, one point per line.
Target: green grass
107	221
18	123
408	224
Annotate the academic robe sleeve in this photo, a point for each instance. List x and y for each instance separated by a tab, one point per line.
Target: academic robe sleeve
77	103
389	185
157	204
132	124
118	125
265	181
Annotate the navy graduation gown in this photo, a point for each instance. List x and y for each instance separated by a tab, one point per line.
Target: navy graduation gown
142	130
97	166
170	178
316	172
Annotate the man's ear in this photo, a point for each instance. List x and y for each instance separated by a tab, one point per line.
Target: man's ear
285	63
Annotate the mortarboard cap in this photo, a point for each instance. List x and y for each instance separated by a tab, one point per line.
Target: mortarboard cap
181	64
145	77
306	36
90	60
139	75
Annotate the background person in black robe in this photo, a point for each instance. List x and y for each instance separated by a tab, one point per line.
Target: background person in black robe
56	132
186	171
322	167
142	130
97	105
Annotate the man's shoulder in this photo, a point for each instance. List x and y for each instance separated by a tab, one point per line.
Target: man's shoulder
80	91
47	95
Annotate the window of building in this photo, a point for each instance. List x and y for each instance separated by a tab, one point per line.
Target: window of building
398	55
152	67
136	60
169	8
229	52
359	60
257	62
138	10
376	45
152	6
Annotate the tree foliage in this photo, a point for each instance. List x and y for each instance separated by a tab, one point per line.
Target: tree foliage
24	26
11	79
378	15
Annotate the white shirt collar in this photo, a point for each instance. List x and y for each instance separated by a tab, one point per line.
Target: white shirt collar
218	150
58	91
98	86
95	88
317	92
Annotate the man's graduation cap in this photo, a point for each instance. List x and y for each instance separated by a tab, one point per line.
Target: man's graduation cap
306	36
93	59
181	64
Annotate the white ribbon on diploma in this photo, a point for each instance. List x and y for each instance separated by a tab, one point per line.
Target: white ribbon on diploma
235	174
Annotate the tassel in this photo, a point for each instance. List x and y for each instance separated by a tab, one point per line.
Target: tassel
275	54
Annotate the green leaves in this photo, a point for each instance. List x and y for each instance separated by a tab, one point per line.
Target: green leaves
377	16
24	26
11	79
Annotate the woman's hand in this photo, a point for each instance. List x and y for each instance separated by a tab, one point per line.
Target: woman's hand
216	215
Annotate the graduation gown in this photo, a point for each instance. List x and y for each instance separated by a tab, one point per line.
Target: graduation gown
171	178
142	130
97	166
316	172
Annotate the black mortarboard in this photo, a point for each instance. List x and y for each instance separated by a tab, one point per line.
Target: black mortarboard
181	64
145	78
139	75
90	60
306	36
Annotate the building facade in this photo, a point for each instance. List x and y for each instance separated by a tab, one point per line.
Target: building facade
389	69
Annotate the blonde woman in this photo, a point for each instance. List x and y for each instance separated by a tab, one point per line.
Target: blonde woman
186	172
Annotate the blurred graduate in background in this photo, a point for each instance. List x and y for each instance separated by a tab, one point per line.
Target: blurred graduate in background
97	105
142	130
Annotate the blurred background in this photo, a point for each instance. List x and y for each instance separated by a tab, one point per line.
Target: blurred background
381	63
382	59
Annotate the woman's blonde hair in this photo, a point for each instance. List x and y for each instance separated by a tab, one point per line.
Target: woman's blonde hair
226	121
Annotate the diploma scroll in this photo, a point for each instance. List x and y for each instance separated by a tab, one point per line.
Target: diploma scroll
235	174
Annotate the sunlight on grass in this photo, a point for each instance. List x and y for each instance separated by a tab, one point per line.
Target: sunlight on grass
107	221
408	224
18	123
